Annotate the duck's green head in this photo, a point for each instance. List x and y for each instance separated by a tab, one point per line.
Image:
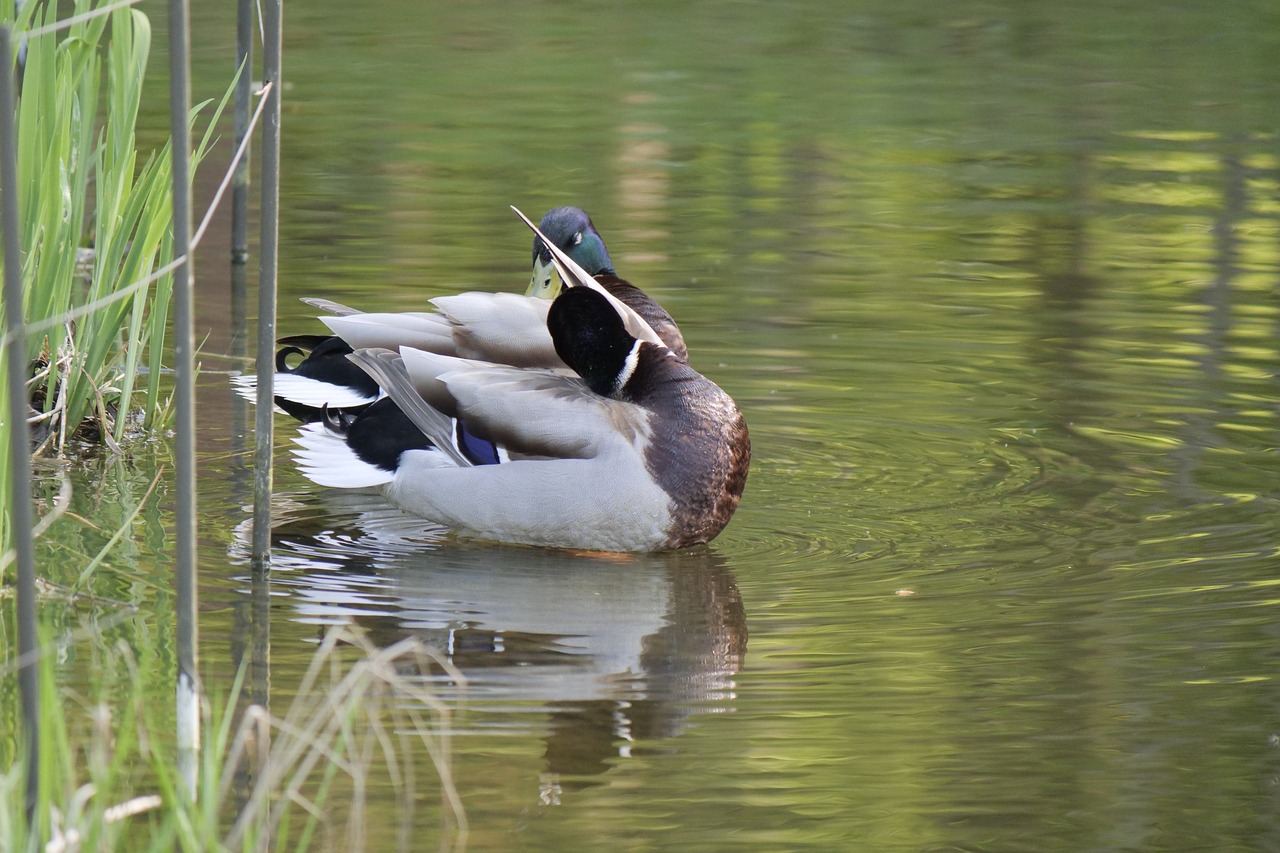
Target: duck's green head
571	230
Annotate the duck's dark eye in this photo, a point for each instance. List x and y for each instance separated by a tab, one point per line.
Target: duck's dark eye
577	238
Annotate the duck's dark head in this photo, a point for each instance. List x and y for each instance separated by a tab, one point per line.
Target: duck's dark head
571	230
590	337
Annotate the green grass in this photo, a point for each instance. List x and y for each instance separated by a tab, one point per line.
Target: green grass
108	778
96	225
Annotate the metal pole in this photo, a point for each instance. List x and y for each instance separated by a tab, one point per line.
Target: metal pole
272	13
240	192
188	707
238	344
244	89
20	514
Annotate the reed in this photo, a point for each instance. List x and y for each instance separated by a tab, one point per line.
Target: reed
96	228
97	220
269	781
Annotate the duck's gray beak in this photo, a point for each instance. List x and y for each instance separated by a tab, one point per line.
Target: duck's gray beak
545	282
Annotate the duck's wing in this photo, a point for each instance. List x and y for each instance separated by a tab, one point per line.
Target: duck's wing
504	328
388	369
424	330
575	276
529	412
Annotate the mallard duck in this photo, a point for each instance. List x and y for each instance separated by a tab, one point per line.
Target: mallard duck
503	328
636	451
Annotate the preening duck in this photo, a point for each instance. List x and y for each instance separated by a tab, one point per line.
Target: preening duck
634	452
503	328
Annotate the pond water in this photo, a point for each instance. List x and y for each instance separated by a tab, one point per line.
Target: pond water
995	285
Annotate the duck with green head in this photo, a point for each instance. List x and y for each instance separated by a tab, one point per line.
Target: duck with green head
504	328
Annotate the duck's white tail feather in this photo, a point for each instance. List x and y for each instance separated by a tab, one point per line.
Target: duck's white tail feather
329	305
388	370
324	458
428	331
315	392
246	386
301	389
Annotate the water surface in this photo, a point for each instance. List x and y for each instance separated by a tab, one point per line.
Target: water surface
995	286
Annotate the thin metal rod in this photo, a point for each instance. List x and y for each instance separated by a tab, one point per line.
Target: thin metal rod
244	91
188	709
272	11
20	513
240	205
242	152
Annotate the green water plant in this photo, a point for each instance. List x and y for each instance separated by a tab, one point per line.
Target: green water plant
96	227
97	221
108	780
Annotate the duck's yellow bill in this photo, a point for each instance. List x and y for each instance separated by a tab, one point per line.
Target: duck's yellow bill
545	282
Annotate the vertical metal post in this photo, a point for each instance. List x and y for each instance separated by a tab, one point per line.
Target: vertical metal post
272	13
20	514
240	192
188	706
244	90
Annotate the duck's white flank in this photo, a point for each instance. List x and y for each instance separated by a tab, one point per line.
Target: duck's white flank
606	503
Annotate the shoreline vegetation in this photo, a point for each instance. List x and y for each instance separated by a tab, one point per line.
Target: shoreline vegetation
97	258
96	232
268	780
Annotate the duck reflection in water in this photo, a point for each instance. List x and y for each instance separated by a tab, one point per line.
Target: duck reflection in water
620	650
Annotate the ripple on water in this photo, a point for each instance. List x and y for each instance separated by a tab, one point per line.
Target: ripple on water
861	497
326	547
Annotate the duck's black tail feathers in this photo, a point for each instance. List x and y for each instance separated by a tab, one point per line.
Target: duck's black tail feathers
324	378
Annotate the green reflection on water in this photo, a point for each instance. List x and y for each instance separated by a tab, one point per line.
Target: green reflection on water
995	286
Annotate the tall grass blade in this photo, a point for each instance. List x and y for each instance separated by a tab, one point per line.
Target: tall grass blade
77	143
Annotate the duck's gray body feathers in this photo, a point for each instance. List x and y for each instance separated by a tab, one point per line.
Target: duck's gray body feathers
586	487
504	328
